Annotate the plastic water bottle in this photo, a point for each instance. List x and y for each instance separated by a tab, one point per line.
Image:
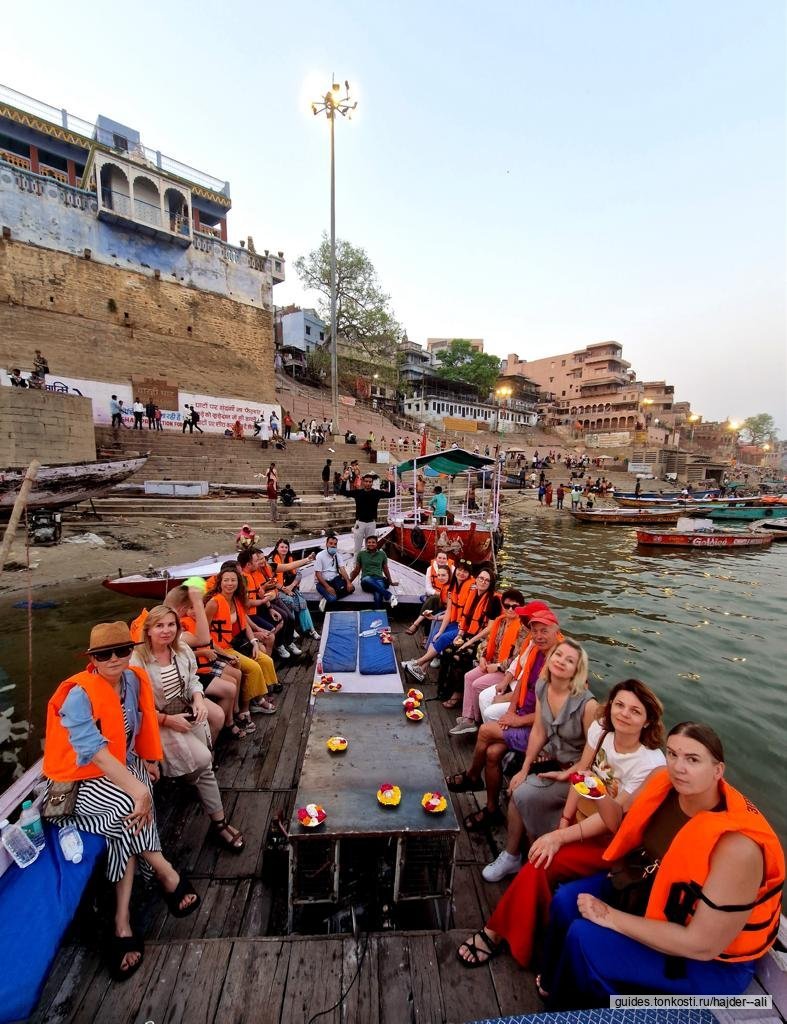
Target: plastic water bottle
70	843
31	824
22	849
319	666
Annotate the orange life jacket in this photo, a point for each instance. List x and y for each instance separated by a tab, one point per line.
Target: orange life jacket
677	885
189	625
260	581
459	597
502	638
221	627
474	613
431	572
530	651
287	577
136	628
60	759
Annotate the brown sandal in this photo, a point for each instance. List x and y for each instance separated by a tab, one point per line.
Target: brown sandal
453	701
235	843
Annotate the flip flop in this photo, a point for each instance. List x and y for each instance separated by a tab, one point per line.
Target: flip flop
477	952
119	947
462	783
484	819
174	899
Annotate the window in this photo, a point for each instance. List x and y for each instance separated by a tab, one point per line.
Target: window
563	394
120	142
562	362
322	335
308	329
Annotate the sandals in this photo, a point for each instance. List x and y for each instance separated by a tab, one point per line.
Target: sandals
462	783
119	947
453	701
480	954
217	830
244	722
484	819
411	630
173	899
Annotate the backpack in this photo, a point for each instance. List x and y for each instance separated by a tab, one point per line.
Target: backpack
194	416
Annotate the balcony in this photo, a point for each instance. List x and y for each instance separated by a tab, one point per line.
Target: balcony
143	201
119	208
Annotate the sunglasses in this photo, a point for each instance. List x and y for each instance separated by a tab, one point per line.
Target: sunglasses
506	604
118	652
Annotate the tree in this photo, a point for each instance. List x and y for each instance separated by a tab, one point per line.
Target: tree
363	314
460	361
759	429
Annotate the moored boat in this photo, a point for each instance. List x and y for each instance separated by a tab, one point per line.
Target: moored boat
748	513
158	582
776	527
471	531
687	503
57	486
627	516
701	533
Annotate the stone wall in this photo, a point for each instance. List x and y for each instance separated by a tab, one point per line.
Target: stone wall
107	323
38	424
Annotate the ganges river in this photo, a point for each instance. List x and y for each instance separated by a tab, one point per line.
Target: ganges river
704	629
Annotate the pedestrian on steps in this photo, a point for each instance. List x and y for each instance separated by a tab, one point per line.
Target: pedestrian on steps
326	480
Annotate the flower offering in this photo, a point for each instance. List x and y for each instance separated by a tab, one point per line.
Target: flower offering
311	815
434	803
389	795
337	744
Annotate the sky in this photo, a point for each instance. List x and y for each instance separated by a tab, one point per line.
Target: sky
543	175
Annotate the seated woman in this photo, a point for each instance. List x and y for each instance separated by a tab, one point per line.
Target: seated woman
102	734
625	745
288	574
692	901
480	610
432	601
446	627
556	747
230	630
512	730
435	604
187	722
266	609
219	674
501	649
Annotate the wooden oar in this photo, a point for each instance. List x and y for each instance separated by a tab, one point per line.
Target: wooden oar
16	513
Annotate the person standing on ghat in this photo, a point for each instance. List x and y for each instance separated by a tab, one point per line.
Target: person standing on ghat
366	501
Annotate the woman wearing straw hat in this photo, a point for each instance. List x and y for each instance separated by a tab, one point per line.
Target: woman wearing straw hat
102	734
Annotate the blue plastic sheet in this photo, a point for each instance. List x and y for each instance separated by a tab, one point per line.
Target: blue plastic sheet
374	657
340	653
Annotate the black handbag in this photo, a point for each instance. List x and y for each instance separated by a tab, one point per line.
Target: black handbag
633	881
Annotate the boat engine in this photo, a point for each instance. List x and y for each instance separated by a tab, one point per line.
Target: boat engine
44	526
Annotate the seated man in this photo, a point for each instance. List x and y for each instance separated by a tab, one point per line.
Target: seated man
288	496
333	583
372	566
439	504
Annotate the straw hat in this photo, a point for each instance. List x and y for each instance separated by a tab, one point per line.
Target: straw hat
109	634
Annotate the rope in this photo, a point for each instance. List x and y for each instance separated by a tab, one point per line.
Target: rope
29	635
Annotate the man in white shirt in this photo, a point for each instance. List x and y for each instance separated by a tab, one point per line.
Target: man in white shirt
332	581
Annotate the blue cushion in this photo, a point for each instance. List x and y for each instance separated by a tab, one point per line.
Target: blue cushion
36	907
340	653
374	657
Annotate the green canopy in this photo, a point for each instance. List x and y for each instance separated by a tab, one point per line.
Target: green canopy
450	462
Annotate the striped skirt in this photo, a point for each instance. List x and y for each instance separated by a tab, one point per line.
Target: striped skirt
102	808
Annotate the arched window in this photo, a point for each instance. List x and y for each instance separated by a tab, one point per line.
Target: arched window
176	208
114	189
147	201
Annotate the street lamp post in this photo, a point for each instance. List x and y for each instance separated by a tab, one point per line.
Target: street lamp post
503	393
332	104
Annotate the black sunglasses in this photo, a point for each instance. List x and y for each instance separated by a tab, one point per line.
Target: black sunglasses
507	604
119	652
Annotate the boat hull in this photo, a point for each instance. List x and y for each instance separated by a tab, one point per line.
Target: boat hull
748	514
628	516
720	541
422	543
56	486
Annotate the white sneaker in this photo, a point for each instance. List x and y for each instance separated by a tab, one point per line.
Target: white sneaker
505	864
282	651
296	635
394	601
434	663
322	605
294	649
414	670
314	634
463	725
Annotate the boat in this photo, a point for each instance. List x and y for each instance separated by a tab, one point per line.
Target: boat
748	513
156	583
776	527
669	495
56	486
690	502
472	531
701	533
410	589
627	516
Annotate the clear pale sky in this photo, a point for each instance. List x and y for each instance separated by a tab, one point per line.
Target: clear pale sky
540	174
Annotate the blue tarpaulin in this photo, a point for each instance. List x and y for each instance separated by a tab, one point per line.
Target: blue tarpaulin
374	657
340	653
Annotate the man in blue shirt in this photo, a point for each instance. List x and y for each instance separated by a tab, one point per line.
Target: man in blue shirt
439	504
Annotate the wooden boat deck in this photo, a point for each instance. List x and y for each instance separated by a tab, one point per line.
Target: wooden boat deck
231	962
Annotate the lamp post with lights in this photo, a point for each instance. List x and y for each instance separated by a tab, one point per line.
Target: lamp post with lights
331	104
502	394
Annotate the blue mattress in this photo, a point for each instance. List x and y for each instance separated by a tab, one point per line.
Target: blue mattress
36	906
374	658
340	653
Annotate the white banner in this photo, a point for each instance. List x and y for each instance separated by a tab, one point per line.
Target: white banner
215	414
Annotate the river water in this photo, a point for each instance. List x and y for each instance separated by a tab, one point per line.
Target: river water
705	629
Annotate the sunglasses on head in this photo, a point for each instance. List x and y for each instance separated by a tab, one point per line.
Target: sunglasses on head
119	652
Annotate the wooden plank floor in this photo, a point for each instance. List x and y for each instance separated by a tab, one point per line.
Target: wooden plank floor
231	962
